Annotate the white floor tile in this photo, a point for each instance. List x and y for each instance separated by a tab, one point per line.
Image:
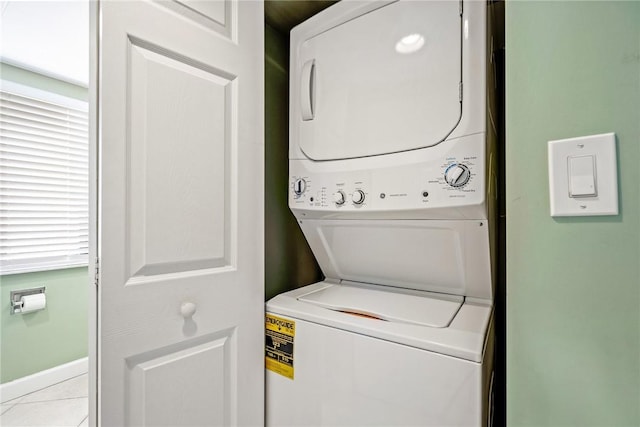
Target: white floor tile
71	388
5	407
12	401
85	423
59	413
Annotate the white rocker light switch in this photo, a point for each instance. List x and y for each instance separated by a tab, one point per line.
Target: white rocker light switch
582	176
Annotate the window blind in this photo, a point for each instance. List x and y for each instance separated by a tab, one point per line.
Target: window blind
43	184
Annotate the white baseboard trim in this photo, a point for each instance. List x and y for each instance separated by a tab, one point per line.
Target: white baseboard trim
43	379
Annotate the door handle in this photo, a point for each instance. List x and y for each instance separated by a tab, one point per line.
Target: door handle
308	89
187	309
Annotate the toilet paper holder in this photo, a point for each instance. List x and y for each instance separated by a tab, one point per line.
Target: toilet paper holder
16	297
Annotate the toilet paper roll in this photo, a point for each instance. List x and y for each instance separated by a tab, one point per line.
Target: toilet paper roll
33	302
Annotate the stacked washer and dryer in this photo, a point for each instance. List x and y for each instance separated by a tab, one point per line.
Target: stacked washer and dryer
392	181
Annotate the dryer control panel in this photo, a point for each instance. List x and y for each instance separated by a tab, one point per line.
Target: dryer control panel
452	182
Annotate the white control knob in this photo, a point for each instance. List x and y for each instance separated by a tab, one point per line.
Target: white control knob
338	198
357	197
299	186
457	175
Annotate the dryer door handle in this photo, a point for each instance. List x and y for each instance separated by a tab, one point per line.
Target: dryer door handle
308	89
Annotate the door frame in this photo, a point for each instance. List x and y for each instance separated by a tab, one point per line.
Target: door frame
94	161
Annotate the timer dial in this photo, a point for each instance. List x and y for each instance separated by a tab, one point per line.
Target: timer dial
299	186
457	175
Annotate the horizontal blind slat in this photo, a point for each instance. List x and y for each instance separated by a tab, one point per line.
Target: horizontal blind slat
32	215
40	105
23	179
28	240
31	175
53	164
62	125
43	153
31	146
17	110
17	138
10	186
43	254
16	230
26	134
41	169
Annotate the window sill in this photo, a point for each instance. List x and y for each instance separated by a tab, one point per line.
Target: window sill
40	268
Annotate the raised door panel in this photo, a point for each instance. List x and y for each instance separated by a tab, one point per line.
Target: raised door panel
215	15
178	171
184	386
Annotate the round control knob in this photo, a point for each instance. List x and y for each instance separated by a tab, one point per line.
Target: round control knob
457	175
299	186
357	197
338	198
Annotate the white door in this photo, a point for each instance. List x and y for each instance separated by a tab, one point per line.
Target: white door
180	241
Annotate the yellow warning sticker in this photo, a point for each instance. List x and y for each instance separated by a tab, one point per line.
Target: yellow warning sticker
279	337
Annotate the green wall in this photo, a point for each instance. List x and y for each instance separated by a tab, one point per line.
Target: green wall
289	262
573	284
43	339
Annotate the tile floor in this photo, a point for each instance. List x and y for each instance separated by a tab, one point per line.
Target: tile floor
61	405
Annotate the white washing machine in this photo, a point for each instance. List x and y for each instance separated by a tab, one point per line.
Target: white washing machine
392	182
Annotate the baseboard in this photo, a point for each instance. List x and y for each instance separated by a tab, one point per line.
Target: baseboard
43	379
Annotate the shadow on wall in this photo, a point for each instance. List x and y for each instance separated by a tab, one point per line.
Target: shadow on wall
289	263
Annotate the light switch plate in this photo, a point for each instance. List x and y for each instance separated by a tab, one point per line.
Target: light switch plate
562	153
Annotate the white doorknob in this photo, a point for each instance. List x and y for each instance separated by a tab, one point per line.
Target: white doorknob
187	309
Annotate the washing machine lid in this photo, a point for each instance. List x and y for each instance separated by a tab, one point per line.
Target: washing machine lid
465	336
384	82
441	256
436	311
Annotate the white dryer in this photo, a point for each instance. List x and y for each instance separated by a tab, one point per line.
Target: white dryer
392	182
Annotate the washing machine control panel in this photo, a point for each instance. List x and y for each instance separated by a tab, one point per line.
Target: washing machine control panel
447	179
313	191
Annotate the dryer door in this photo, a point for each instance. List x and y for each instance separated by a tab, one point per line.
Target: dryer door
384	82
